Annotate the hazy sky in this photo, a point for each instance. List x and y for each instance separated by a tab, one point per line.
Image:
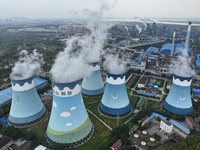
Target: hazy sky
123	8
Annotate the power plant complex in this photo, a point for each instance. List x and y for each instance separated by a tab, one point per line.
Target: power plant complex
115	101
69	122
27	107
93	85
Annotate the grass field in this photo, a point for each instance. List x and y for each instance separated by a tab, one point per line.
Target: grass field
101	134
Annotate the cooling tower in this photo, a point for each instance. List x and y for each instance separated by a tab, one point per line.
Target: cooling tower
178	100
115	100
27	107
69	123
93	85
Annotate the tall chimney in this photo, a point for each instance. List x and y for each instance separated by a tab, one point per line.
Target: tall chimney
172	50
188	36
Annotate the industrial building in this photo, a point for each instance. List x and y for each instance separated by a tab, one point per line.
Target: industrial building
115	101
69	123
166	48
93	85
27	107
6	95
180	47
166	126
146	58
178	100
197	62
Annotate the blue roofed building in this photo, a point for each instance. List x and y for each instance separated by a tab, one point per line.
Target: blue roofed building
179	47
197	62
180	126
166	48
196	92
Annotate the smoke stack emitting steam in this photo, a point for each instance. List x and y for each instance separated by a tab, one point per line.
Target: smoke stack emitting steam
27	65
181	66
138	28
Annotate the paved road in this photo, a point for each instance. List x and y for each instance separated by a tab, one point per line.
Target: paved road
196	125
99	119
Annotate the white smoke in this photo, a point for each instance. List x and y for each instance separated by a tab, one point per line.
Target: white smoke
114	65
93	43
181	66
70	65
27	66
138	28
126	28
145	25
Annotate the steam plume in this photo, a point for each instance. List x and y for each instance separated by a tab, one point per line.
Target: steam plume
27	65
181	66
70	64
138	28
114	65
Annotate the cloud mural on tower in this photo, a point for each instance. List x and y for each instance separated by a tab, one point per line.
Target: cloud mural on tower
69	124
65	114
54	104
73	108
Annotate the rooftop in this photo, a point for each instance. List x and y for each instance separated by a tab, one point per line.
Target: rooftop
180	126
116	144
4	140
167	122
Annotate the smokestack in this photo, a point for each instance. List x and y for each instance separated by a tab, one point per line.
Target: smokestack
172	50
188	36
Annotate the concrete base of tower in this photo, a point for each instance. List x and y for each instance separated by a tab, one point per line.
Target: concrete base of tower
176	110
114	113
27	121
64	139
92	93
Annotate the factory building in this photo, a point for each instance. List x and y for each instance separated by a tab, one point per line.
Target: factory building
180	47
115	101
93	85
178	100
69	123
197	62
166	49
27	107
148	58
6	95
166	126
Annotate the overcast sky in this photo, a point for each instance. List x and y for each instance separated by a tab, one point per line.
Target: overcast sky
123	8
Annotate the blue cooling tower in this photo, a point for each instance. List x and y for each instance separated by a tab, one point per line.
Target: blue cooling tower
115	100
178	100
69	122
93	85
27	107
